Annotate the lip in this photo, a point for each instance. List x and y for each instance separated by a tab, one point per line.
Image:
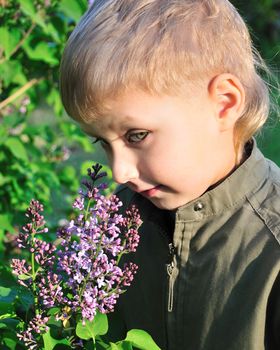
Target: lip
151	191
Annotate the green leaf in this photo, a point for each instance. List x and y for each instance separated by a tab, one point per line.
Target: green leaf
11	72
2	236
7	295
41	52
29	9
11	343
68	173
72	8
5	42
5	223
25	298
6	307
7	277
2	317
53	311
54	101
99	326
17	148
114	346
50	342
141	339
124	345
85	331
3	180
23	277
9	40
10	323
52	31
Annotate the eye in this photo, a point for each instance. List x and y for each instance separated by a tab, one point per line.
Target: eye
135	137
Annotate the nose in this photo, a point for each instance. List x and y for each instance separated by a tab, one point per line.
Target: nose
124	168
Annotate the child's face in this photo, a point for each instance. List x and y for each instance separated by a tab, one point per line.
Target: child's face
169	149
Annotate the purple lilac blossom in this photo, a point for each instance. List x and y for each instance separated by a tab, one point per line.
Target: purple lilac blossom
40	279
37	325
91	247
82	276
21	268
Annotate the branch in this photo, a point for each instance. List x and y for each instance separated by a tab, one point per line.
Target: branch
19	92
25	36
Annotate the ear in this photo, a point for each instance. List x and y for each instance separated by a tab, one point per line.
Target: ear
228	95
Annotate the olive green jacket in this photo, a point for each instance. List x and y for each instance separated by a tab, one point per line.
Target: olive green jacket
208	275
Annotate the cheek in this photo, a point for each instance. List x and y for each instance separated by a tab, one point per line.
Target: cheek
167	160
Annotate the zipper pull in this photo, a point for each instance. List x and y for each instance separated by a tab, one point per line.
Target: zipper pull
172	272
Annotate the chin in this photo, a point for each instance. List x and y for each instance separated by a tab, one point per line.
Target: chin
166	205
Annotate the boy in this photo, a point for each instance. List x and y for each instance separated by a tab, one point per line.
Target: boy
170	89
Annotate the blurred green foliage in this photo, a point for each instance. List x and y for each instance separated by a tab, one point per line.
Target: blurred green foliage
36	147
263	20
42	153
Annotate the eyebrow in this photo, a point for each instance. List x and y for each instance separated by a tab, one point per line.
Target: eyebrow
97	137
124	128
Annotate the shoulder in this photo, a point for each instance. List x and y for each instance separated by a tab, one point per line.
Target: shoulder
274	173
266	201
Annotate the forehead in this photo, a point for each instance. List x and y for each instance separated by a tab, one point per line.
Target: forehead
107	122
137	103
139	109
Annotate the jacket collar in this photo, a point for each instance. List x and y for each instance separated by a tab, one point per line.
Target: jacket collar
230	193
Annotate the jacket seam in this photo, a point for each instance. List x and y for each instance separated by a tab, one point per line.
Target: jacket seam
262	217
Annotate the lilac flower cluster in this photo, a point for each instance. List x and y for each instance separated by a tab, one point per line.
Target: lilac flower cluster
38	326
82	275
31	274
103	236
39	250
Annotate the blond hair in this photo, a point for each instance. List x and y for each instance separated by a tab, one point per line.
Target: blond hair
160	46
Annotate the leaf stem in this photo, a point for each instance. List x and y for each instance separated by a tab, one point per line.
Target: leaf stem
87	209
34	272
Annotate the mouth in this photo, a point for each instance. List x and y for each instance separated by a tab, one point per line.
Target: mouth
151	191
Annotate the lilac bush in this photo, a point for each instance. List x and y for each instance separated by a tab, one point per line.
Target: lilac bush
80	276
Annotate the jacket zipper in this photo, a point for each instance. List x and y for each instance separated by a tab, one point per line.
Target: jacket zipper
172	272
